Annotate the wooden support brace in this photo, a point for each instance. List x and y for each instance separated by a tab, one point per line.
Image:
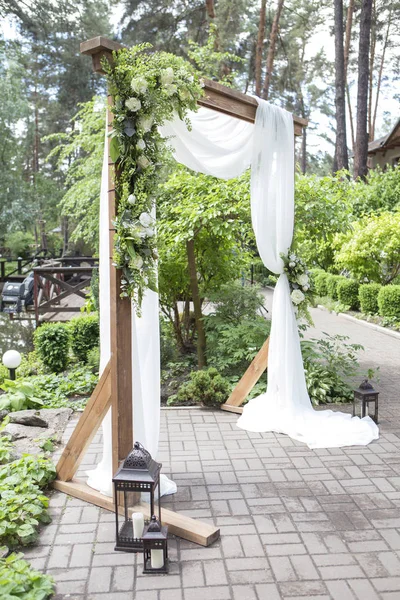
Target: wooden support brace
248	381
86	428
180	525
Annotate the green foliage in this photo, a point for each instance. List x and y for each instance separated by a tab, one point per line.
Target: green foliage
381	191
371	251
324	386
234	302
52	342
322	210
149	89
23	507
20	243
84	336
93	358
205	387
30	365
331	285
347	292
368	296
20	582
19	396
57	391
389	301
320	283
168	346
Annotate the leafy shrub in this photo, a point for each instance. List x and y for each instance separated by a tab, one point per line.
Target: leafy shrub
84	335
20	582
52	343
93	358
234	302
324	386
23	507
205	387
368	296
20	243
55	390
334	353
332	282
389	301
19	396
320	283
31	364
347	291
168	346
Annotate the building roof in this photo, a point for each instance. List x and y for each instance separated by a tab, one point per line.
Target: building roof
390	140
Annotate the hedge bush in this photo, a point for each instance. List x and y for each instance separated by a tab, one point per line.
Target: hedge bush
320	283
368	296
84	335
389	301
332	283
347	291
52	343
205	387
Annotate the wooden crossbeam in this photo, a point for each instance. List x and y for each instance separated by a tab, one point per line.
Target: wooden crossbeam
180	525
248	381
86	428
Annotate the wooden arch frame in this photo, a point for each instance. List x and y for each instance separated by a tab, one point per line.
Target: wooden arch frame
115	385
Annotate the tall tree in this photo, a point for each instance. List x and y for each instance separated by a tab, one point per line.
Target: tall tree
341	160
361	148
349	24
272	49
260	47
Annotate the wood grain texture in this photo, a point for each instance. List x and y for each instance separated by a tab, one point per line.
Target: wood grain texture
250	378
86	428
180	525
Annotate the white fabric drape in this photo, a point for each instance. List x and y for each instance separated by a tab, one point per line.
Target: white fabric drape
221	146
145	361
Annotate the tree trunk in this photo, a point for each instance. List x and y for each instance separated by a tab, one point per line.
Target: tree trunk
378	86
349	24
210	9
361	149
341	157
201	336
304	151
371	67
271	49
260	46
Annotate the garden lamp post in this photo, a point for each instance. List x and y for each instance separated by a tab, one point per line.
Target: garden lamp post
12	360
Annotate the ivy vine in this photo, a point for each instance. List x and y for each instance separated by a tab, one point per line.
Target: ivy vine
149	89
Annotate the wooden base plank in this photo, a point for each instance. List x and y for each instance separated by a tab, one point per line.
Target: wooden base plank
179	525
231	408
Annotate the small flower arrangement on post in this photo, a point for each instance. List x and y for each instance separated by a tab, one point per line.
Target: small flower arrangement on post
300	285
148	88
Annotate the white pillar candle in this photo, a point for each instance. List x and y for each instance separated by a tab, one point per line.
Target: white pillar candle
157	559
138	525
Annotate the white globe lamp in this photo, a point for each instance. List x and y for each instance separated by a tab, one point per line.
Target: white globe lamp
12	360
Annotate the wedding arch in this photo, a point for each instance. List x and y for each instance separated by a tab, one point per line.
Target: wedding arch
223	142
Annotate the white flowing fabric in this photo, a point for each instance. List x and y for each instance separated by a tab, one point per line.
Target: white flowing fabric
145	362
222	146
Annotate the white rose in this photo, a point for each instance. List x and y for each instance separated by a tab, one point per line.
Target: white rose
145	219
143	162
133	104
305	288
145	123
150	231
137	262
167	76
131	199
292	264
297	296
170	88
303	279
139	85
141	145
184	94
292	257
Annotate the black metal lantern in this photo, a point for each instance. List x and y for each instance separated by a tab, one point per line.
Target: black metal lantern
155	547
138	473
366	394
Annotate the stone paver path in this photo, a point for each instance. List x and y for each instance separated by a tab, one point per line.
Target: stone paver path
295	523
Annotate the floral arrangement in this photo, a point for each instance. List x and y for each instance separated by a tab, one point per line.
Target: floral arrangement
148	90
300	284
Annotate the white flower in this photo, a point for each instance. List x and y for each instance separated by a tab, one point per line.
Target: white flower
141	145
137	262
170	88
139	85
292	257
133	104
184	94
297	296
143	162
167	76
202	83
303	279
131	199
191	78
145	123
305	288
150	231
292	264
145	219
